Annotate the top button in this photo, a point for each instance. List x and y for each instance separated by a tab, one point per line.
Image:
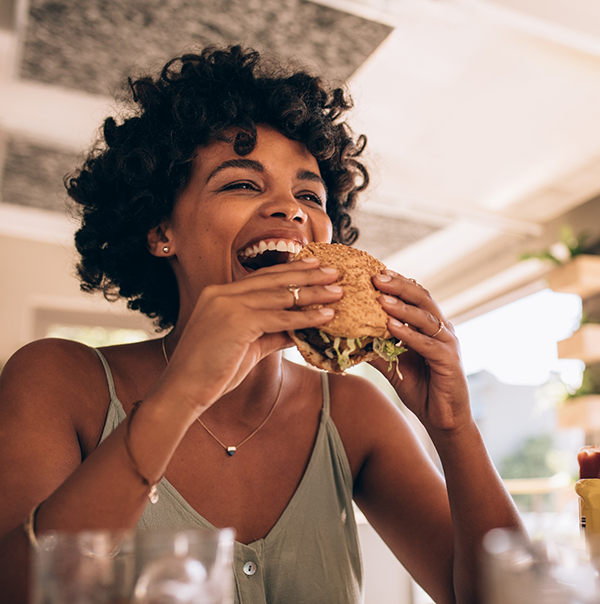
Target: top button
250	568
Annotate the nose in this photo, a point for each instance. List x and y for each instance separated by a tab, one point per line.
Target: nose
285	207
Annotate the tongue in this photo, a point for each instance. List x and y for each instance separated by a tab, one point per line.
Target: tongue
268	258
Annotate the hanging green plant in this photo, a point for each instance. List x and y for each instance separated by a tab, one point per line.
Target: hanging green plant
590	383
569	246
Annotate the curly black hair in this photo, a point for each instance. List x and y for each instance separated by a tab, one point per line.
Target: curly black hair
128	183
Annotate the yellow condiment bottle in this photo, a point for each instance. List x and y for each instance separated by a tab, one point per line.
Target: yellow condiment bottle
588	490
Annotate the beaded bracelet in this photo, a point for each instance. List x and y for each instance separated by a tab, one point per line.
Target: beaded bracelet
29	527
153	494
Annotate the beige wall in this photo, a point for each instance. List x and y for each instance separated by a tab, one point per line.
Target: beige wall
37	278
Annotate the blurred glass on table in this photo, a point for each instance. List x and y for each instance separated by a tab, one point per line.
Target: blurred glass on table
554	570
188	567
147	567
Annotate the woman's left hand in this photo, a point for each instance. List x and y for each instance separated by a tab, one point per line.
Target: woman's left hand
434	385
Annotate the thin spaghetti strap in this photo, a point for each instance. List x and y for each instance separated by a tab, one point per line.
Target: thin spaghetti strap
325	392
109	377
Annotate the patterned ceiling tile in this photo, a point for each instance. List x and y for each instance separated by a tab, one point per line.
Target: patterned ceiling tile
91	45
33	175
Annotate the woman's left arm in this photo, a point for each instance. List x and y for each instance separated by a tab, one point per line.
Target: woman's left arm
434	387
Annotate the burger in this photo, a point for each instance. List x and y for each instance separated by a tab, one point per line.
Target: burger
358	332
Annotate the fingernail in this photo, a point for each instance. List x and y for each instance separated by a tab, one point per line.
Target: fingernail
396	323
391	273
327	312
383	278
390	299
336	289
330	270
310	260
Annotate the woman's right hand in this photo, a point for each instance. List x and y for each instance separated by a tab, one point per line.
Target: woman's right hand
235	325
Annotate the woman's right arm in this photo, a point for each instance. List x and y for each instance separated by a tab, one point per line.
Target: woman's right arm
49	387
47	390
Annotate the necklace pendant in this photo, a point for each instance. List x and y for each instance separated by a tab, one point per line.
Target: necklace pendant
231	451
153	495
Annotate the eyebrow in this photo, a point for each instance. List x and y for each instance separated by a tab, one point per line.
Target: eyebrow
258	167
237	163
308	175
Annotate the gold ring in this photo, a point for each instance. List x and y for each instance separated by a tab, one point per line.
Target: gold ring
295	291
437	333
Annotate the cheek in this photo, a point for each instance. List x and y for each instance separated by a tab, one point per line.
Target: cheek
322	229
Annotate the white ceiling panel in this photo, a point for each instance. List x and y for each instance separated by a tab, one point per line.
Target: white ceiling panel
483	120
490	117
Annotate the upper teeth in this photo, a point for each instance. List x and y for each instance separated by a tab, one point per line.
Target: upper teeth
272	246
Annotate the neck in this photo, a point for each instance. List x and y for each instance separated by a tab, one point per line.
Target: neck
253	399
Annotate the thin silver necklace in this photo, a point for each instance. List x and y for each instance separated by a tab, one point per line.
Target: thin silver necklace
230	450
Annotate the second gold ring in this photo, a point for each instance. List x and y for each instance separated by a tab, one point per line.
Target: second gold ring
440	328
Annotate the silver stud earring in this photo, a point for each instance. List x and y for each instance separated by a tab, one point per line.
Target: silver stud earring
166	249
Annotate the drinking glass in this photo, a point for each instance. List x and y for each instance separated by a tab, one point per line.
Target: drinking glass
187	567
95	567
148	567
550	570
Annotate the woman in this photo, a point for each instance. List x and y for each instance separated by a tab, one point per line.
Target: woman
223	157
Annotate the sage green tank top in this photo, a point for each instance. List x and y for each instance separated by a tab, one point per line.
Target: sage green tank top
311	555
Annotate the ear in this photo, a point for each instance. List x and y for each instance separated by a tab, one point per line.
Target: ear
158	242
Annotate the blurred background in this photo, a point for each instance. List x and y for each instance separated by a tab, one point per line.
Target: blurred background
483	120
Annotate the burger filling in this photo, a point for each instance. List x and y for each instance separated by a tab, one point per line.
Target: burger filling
348	351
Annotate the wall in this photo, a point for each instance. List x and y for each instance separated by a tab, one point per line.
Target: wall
39	275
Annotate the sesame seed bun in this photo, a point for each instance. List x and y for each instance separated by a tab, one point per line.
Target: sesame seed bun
358	314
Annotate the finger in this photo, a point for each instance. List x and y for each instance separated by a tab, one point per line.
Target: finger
432	349
426	322
274	321
294	274
301	265
408	290
293	297
308	262
274	342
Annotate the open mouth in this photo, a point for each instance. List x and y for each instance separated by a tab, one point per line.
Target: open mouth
268	253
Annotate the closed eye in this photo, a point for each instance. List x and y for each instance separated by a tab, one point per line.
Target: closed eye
313	197
243	185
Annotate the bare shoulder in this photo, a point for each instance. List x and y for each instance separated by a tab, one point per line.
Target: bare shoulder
396	485
52	379
48	364
356	400
366	419
53	397
48	350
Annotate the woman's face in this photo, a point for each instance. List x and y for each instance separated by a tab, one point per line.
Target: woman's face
235	209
